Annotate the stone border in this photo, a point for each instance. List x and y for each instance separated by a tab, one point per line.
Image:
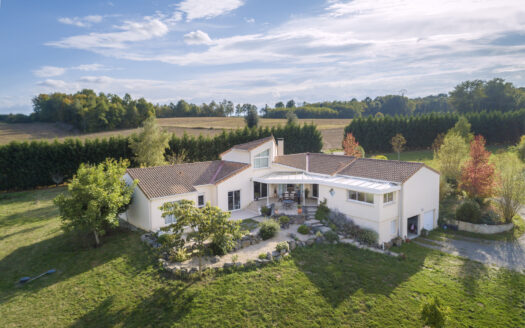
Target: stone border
486	229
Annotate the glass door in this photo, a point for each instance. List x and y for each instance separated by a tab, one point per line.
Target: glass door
234	200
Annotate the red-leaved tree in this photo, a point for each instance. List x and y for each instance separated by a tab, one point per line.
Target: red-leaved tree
351	146
477	176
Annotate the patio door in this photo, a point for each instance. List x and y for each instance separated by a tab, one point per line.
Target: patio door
315	190
234	200
260	190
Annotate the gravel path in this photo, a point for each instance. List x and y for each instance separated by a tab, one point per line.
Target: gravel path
509	254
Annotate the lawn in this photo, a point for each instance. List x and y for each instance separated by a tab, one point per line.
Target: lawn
119	284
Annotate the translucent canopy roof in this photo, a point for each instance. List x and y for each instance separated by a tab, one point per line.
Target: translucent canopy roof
358	184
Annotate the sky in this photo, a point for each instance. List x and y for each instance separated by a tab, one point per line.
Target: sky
255	51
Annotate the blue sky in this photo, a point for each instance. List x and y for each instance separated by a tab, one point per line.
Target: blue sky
255	51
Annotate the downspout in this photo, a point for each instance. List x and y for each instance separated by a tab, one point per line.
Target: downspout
400	210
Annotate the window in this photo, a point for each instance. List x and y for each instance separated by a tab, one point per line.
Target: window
393	227
359	196
260	190
200	200
315	190
262	159
234	200
170	219
388	198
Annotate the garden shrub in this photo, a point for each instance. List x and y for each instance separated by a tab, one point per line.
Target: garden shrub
367	236
282	245
262	256
168	241
489	216
322	212
303	229
283	220
434	314
469	211
266	211
269	228
331	236
180	255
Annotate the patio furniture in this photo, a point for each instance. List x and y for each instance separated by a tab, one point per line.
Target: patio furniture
287	203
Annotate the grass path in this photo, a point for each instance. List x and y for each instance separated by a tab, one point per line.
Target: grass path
119	284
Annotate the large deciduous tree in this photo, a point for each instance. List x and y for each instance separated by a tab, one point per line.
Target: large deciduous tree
351	146
151	143
477	176
252	117
398	143
96	196
510	186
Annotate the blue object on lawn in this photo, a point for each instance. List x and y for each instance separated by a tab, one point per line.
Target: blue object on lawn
24	280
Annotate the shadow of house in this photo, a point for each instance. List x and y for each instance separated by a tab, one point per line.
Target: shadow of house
68	256
163	308
339	271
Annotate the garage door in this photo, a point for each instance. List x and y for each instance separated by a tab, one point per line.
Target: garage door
428	220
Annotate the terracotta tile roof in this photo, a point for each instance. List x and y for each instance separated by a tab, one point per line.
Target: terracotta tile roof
160	181
252	144
394	171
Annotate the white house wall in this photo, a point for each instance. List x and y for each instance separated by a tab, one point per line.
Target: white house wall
157	221
420	194
236	155
138	211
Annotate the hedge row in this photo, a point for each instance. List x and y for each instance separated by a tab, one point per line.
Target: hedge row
374	133
29	165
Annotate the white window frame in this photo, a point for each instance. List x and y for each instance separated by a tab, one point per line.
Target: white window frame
393	227
203	200
233	202
260	157
365	196
386	196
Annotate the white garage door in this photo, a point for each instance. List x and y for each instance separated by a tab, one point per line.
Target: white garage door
428	220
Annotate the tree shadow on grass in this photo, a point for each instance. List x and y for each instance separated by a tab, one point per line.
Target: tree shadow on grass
69	256
341	270
162	308
19	232
39	214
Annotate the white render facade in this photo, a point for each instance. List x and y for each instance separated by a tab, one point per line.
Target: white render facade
400	206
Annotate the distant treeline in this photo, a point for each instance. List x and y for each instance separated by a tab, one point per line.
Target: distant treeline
468	96
26	165
374	133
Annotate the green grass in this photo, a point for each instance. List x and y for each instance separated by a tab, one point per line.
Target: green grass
119	284
249	224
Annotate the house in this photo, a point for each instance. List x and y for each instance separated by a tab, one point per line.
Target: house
394	198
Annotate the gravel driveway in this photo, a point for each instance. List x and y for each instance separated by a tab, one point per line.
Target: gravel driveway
509	254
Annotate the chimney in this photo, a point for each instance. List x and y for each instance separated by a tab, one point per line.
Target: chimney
280	147
307	162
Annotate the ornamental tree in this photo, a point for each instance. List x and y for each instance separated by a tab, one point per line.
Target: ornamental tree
510	186
351	146
451	155
97	194
206	223
398	143
477	176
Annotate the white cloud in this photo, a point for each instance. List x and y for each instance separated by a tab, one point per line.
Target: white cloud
54	84
85	21
197	37
130	31
249	20
91	67
195	9
49	71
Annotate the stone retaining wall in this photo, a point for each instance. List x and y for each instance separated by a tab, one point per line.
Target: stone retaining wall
485	229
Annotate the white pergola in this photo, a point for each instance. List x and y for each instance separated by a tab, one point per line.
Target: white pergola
346	182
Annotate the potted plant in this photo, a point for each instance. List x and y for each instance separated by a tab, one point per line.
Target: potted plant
299	209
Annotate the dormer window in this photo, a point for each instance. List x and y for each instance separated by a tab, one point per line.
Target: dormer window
262	159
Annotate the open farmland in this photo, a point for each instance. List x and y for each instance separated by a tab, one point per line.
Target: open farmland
332	129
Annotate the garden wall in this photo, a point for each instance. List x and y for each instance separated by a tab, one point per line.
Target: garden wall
485	229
